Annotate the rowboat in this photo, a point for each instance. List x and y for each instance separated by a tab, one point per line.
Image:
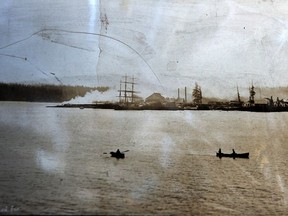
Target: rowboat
117	154
233	155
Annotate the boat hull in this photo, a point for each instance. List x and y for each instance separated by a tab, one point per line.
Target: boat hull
117	155
233	155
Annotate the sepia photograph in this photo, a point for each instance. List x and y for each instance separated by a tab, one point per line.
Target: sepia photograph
144	107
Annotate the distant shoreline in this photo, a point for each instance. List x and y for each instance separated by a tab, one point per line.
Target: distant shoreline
43	92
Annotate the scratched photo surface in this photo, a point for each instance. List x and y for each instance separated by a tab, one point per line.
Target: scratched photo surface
193	94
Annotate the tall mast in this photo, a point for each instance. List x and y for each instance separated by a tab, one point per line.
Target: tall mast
238	95
120	91
185	94
127	95
132	93
125	91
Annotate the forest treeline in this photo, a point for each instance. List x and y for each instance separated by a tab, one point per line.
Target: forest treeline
43	92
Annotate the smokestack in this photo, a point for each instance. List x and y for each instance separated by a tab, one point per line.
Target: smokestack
185	94
178	93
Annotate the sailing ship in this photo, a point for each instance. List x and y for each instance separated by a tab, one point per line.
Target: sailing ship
271	106
127	94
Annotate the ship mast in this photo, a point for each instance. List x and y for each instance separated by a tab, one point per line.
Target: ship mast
120	91
238	95
125	91
128	93
132	92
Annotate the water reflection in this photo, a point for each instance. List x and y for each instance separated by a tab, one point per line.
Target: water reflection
167	146
50	162
60	158
146	186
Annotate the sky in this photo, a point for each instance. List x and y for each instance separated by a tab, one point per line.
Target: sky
165	44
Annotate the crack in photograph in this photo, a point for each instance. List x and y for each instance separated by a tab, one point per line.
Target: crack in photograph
144	107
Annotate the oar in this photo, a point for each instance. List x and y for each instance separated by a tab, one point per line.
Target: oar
123	151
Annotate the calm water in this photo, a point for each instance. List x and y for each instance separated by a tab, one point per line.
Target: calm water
52	161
